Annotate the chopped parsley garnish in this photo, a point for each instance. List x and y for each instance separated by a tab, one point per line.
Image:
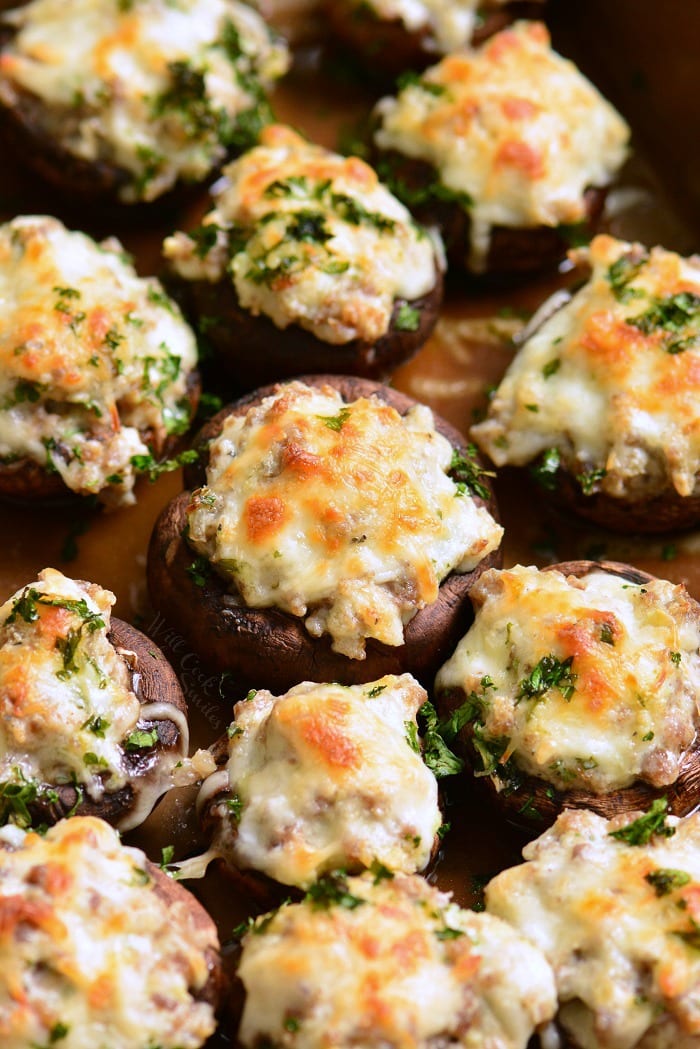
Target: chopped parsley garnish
412	735
449	934
545	470
97	725
331	890
199	570
380	872
375	691
309	226
588	481
643	829
548	674
621	274
678	316
666	880
335	422
407	318
466	473
551	367
436	754
147	464
234	807
204	238
139	739
675	658
17	795
187	96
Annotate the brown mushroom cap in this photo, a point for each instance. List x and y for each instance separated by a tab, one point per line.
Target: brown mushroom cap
664	511
177	898
272	649
153	680
535	804
254	351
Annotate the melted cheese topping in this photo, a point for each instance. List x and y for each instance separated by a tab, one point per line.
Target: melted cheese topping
90	954
342	511
310	238
154	87
66	706
514	126
94	360
325	777
614	700
401	966
447	24
618	923
610	379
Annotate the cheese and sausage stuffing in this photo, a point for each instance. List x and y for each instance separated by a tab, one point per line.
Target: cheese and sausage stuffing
161	90
389	961
587	683
606	386
312	238
93	953
614	906
94	360
344	513
324	777
68	714
514	133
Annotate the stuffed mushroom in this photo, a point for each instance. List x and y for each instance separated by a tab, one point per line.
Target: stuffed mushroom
307	264
93	718
122	101
332	533
506	147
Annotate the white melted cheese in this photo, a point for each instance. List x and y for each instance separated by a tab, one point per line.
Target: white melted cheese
90	955
343	513
153	87
403	967
311	238
618	923
447	24
94	360
513	125
626	708
605	382
66	703
326	778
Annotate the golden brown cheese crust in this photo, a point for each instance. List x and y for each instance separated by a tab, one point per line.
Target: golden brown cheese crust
589	684
514	133
341	512
95	361
618	922
94	950
154	91
326	777
609	381
311	238
379	961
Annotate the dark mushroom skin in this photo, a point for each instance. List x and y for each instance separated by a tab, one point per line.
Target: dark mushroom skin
667	511
272	648
153	680
215	990
387	47
26	481
513	252
535	804
253	351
